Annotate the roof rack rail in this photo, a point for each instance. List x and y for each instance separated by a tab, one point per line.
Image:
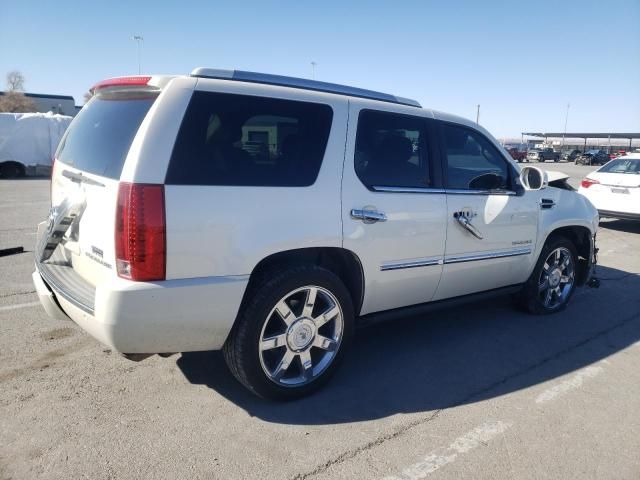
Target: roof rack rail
303	83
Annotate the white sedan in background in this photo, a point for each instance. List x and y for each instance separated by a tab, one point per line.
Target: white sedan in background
614	189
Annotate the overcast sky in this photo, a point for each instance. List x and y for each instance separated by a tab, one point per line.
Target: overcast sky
522	61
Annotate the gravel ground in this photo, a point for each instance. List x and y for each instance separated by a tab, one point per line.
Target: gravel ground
479	391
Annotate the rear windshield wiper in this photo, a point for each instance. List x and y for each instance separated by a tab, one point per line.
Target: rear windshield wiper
78	177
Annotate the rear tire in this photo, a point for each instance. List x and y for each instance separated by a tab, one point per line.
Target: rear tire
11	170
553	279
287	341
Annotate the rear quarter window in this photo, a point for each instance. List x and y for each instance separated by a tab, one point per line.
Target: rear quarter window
622	165
100	136
242	140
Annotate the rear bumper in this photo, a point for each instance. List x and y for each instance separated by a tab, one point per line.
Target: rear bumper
135	317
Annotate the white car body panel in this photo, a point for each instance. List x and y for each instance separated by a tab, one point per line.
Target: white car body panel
509	226
570	210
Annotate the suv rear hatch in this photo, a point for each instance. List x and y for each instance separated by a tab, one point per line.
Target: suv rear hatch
86	175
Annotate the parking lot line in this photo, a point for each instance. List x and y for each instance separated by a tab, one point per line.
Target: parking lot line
17	306
573	383
442	456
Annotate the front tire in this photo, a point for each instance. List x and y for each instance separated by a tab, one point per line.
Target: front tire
552	281
291	333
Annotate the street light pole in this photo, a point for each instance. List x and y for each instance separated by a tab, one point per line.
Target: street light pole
478	115
566	118
313	70
138	39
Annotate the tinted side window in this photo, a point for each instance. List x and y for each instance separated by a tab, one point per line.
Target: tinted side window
391	150
243	140
473	163
100	136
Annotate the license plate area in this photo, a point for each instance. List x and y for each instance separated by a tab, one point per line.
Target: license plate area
624	191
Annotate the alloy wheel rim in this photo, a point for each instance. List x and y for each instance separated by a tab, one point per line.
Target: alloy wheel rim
557	278
301	336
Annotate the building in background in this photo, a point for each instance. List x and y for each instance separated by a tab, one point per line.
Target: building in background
61	104
610	141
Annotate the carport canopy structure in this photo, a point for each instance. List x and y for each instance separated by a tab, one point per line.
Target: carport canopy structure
585	136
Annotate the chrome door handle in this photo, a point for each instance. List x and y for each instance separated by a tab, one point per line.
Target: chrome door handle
466	223
368	216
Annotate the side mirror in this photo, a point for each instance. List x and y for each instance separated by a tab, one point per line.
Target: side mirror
533	178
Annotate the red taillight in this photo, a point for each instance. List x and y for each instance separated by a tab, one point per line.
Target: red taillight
587	182
121	82
140	232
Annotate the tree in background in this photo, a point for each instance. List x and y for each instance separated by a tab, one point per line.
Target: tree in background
13	100
15	81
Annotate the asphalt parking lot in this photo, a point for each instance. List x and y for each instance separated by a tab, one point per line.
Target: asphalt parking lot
479	391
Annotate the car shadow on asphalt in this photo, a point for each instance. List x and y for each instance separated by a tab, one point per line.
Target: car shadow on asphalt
450	357
628	226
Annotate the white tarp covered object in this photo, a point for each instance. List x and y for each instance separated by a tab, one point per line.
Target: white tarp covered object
31	138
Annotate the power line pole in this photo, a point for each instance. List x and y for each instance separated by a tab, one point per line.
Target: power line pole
478	115
566	118
313	70
138	39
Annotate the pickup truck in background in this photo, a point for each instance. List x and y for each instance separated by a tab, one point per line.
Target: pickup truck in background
517	155
543	154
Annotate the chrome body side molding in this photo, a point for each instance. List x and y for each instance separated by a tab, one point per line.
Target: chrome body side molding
428	262
424	262
487	255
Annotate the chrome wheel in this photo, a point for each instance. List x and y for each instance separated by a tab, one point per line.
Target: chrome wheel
556	278
301	336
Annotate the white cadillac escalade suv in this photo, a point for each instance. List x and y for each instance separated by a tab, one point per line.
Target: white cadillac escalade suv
267	216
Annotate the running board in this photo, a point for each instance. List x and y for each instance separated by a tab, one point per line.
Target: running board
422	308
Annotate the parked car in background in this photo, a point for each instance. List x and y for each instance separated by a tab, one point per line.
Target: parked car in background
542	155
517	155
172	230
571	155
614	189
617	153
592	157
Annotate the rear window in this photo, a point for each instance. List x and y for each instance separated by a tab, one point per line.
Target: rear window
622	165
99	138
242	140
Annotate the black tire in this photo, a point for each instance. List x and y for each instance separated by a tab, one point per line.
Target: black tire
11	170
530	297
241	350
